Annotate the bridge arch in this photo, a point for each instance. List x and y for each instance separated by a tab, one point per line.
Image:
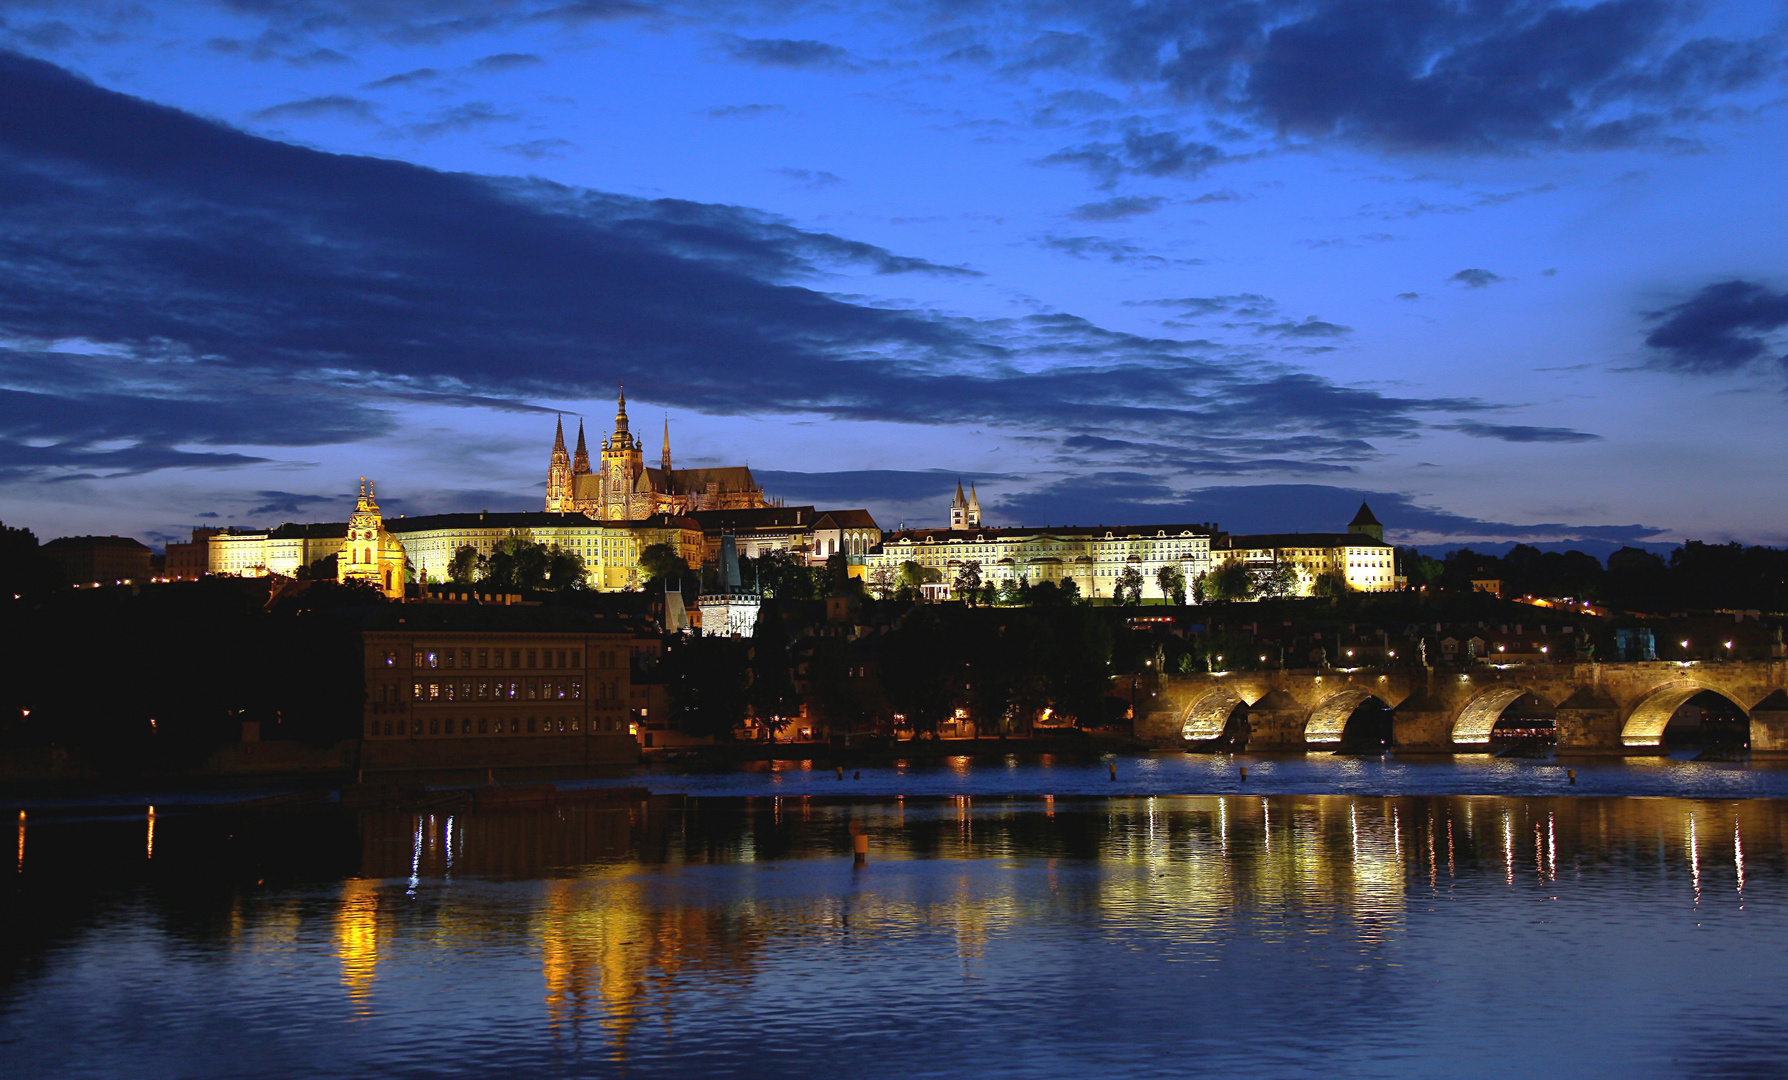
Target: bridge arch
1329	719
1474	723
1208	714
1646	723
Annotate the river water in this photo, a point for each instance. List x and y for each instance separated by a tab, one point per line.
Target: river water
1002	930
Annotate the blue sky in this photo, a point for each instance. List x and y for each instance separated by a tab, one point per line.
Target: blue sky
1512	270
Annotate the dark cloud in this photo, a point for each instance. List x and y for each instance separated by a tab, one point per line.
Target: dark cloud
1118	209
233	291
1099	247
287	502
1242	305
406	78
1140	153
1423	75
327	105
783	52
1409	296
319	56
1476	279
812	179
859	487
1518	433
540	148
1143	498
740	112
500	62
462	117
1720	328
1311	327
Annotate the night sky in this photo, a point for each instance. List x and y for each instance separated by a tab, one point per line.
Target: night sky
1512	270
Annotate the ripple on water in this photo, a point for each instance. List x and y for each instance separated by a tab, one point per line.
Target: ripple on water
1008	936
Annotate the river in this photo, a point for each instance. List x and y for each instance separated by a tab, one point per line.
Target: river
996	929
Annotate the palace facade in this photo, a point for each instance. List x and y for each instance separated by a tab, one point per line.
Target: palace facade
622	488
1094	557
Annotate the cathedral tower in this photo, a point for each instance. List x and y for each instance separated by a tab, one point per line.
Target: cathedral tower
622	464
974	507
959	509
664	460
558	475
580	463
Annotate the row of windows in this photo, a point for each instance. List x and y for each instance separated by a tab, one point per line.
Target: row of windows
515	725
499	658
512	690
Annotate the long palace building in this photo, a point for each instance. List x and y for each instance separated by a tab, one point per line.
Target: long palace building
1093	557
610	512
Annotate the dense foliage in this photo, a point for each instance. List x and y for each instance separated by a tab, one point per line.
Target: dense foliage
159	677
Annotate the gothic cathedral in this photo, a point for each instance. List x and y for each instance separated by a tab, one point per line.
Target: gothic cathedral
622	488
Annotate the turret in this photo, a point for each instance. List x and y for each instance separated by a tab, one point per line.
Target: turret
974	507
959	509
558	474
664	459
1365	524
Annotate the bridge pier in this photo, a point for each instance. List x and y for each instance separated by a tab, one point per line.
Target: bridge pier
1276	722
1769	726
1422	725
1590	723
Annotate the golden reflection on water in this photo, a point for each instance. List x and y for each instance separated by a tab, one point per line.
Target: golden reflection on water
357	941
632	919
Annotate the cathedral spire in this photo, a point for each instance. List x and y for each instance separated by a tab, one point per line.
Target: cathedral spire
959	509
665	459
621	417
581	463
559	435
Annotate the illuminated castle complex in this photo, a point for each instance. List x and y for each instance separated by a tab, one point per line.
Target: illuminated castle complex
623	488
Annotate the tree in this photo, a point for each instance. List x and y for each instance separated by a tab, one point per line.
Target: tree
565	570
705	677
1012	591
968	581
1173	584
1128	589
920	669
660	561
24	569
1228	582
1279	580
1330	583
322	569
465	565
772	695
881	580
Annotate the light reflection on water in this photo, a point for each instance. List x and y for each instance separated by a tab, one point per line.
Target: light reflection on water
1240	935
1212	774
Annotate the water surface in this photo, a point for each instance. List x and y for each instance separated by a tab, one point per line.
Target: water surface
987	935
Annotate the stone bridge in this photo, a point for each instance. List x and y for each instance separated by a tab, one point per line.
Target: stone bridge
1599	708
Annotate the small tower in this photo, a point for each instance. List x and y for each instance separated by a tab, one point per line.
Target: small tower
959	509
974	508
558	474
580	463
1364	524
622	466
368	552
664	460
